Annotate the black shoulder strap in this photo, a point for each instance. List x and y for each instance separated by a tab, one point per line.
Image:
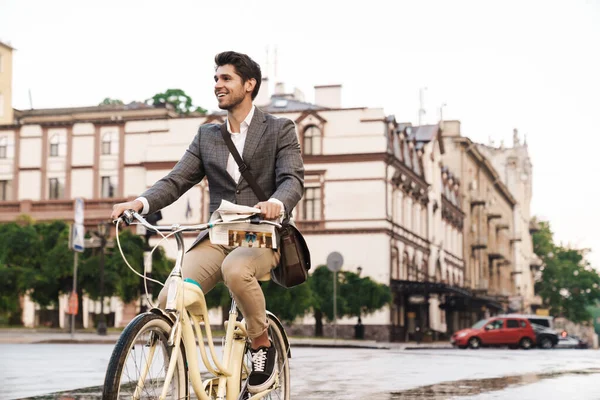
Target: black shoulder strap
242	166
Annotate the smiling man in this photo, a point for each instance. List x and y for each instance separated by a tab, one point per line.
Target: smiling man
269	148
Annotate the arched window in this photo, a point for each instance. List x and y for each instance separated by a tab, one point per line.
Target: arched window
311	143
425	268
438	271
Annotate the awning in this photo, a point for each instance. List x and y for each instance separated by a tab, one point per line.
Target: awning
420	287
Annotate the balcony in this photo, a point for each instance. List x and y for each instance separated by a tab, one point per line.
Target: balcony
479	243
535	263
534	226
491	216
495	254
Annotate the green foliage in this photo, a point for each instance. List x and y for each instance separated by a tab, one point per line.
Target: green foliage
288	304
111	102
355	295
178	99
35	259
568	285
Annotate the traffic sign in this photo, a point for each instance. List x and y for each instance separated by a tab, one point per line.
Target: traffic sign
77	237
73	304
335	261
79	205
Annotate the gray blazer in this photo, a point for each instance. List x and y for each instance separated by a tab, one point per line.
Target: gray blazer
271	152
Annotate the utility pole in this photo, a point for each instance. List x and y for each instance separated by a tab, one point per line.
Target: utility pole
102	234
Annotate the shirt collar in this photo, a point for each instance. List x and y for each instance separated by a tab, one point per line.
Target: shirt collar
246	120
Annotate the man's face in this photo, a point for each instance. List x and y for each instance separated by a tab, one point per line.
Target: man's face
229	88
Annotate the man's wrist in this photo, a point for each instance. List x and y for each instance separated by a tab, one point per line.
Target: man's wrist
145	206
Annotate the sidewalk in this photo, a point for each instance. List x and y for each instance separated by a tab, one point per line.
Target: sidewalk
55	336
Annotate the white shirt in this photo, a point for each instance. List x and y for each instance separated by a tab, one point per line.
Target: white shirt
239	140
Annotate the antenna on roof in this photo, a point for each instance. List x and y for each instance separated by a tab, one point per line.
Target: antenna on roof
421	106
30	100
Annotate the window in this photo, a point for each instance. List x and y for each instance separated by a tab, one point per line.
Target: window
312	140
512	323
5	190
54	142
55	189
108	187
312	203
3	147
497	324
110	143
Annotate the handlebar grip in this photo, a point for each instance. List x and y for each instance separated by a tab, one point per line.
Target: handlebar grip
128	217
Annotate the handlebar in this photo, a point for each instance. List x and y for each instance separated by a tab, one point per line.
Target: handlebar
129	216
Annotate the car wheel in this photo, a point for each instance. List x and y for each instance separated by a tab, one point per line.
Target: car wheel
474	343
546	343
526	343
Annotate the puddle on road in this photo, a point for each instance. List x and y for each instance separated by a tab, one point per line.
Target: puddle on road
438	391
470	387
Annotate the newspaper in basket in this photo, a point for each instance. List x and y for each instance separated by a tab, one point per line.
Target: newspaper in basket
237	229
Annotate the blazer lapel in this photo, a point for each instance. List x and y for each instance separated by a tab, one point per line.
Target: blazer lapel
223	153
257	128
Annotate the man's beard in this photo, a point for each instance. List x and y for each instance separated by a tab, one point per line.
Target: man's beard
235	101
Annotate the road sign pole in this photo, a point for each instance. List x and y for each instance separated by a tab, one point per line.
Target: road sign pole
75	260
335	306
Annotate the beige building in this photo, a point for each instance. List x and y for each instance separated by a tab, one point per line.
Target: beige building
6	110
515	170
490	232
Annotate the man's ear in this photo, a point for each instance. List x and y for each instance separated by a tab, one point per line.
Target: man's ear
250	85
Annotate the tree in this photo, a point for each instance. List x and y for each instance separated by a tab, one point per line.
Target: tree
568	285
178	99
119	280
287	304
355	295
111	102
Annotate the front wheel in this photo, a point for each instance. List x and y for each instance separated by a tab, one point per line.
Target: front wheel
474	343
546	343
140	360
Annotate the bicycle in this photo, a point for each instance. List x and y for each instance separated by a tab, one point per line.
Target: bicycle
156	356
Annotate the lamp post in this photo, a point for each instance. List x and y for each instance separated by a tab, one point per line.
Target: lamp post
102	234
359	332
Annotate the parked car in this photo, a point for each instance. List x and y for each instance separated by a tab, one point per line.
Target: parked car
566	341
545	335
496	331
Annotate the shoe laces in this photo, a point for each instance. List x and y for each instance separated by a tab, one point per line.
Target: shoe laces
259	358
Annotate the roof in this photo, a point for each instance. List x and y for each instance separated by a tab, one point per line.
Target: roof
7	46
423	133
74	110
286	104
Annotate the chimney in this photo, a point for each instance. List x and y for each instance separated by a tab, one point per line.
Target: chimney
451	128
263	98
329	96
279	88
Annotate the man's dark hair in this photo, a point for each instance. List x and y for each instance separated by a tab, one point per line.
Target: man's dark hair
245	67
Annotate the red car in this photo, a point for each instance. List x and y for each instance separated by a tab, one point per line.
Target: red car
496	331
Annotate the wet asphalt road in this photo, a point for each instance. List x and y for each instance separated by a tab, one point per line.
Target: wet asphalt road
36	370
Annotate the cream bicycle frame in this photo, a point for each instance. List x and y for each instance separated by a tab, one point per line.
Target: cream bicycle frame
186	302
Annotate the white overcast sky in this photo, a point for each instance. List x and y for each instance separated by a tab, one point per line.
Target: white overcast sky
497	65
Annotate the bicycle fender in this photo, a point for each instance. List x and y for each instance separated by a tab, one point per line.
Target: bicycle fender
283	333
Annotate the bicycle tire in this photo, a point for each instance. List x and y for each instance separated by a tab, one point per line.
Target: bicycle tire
278	337
124	367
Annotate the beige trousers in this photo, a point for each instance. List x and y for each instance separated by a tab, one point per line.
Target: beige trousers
239	268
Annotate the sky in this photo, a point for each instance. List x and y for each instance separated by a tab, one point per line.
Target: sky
496	65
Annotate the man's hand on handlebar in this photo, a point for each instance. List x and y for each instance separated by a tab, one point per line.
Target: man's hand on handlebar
269	209
118	209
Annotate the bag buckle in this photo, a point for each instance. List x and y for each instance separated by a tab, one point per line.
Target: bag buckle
243	167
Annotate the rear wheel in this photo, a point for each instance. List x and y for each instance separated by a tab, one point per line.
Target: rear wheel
140	359
281	389
546	343
526	343
474	343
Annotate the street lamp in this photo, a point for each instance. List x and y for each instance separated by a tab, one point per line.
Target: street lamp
103	233
359	331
